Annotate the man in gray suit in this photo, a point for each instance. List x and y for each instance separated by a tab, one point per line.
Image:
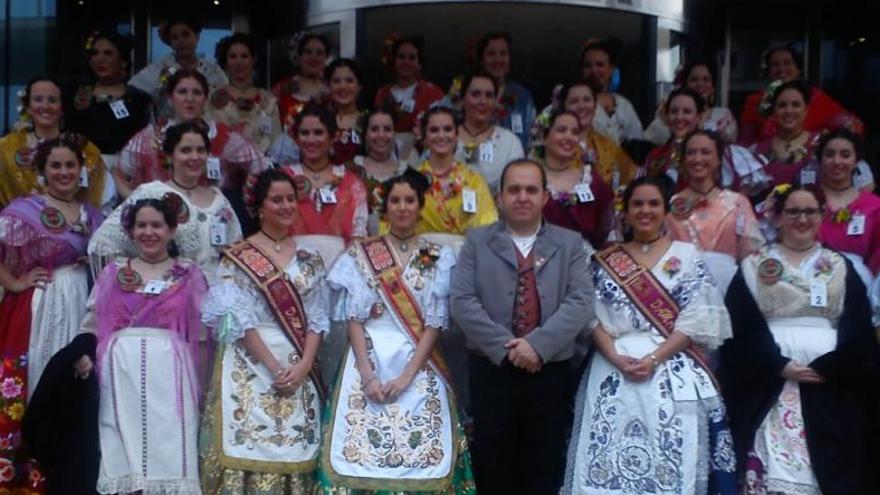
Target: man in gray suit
521	294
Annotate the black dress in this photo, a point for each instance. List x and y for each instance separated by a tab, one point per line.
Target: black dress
60	428
839	428
95	117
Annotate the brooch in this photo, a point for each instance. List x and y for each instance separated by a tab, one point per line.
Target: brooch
128	279
53	220
377	310
770	271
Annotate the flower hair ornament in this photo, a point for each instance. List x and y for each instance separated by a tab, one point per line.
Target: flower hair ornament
90	41
248	195
294	44
21	108
125	218
177	206
765	107
164	77
539	129
377	197
455	90
388	50
766	207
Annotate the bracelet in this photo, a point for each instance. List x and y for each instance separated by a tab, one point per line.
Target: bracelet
369	380
654	359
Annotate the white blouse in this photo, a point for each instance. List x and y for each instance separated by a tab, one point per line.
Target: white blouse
703	317
235	304
429	285
193	237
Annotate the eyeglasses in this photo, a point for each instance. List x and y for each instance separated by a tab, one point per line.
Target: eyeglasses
795	213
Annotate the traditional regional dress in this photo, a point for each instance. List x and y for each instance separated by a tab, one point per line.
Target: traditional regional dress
255	440
414	444
445	209
800	438
148	365
338	209
489	157
256	118
201	232
587	208
667	435
407	104
722	225
37	322
854	230
18	174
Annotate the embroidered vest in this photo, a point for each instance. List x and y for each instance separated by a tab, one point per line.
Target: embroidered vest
527	303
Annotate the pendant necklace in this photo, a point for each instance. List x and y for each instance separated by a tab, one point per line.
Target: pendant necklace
404	241
646	246
277	242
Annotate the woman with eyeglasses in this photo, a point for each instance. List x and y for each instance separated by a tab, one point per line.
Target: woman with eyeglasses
802	347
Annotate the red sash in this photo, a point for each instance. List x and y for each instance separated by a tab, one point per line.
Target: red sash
282	296
648	295
389	276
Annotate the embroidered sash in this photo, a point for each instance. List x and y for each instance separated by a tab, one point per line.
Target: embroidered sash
648	295
388	275
281	295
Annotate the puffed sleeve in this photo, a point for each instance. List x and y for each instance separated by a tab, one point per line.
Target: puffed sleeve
436	310
316	300
703	317
353	297
606	295
230	306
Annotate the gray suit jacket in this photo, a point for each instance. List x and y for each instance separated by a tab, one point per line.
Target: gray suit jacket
484	280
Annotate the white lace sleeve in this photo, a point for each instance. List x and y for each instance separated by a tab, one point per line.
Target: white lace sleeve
316	303
230	306
353	297
704	318
436	310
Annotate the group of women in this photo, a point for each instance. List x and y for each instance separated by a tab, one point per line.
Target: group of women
154	248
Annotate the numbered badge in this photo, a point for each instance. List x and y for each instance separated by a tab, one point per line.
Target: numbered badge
155	287
516	123
213	168
119	109
818	294
856	225
327	195
469	200
218	234
584	192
